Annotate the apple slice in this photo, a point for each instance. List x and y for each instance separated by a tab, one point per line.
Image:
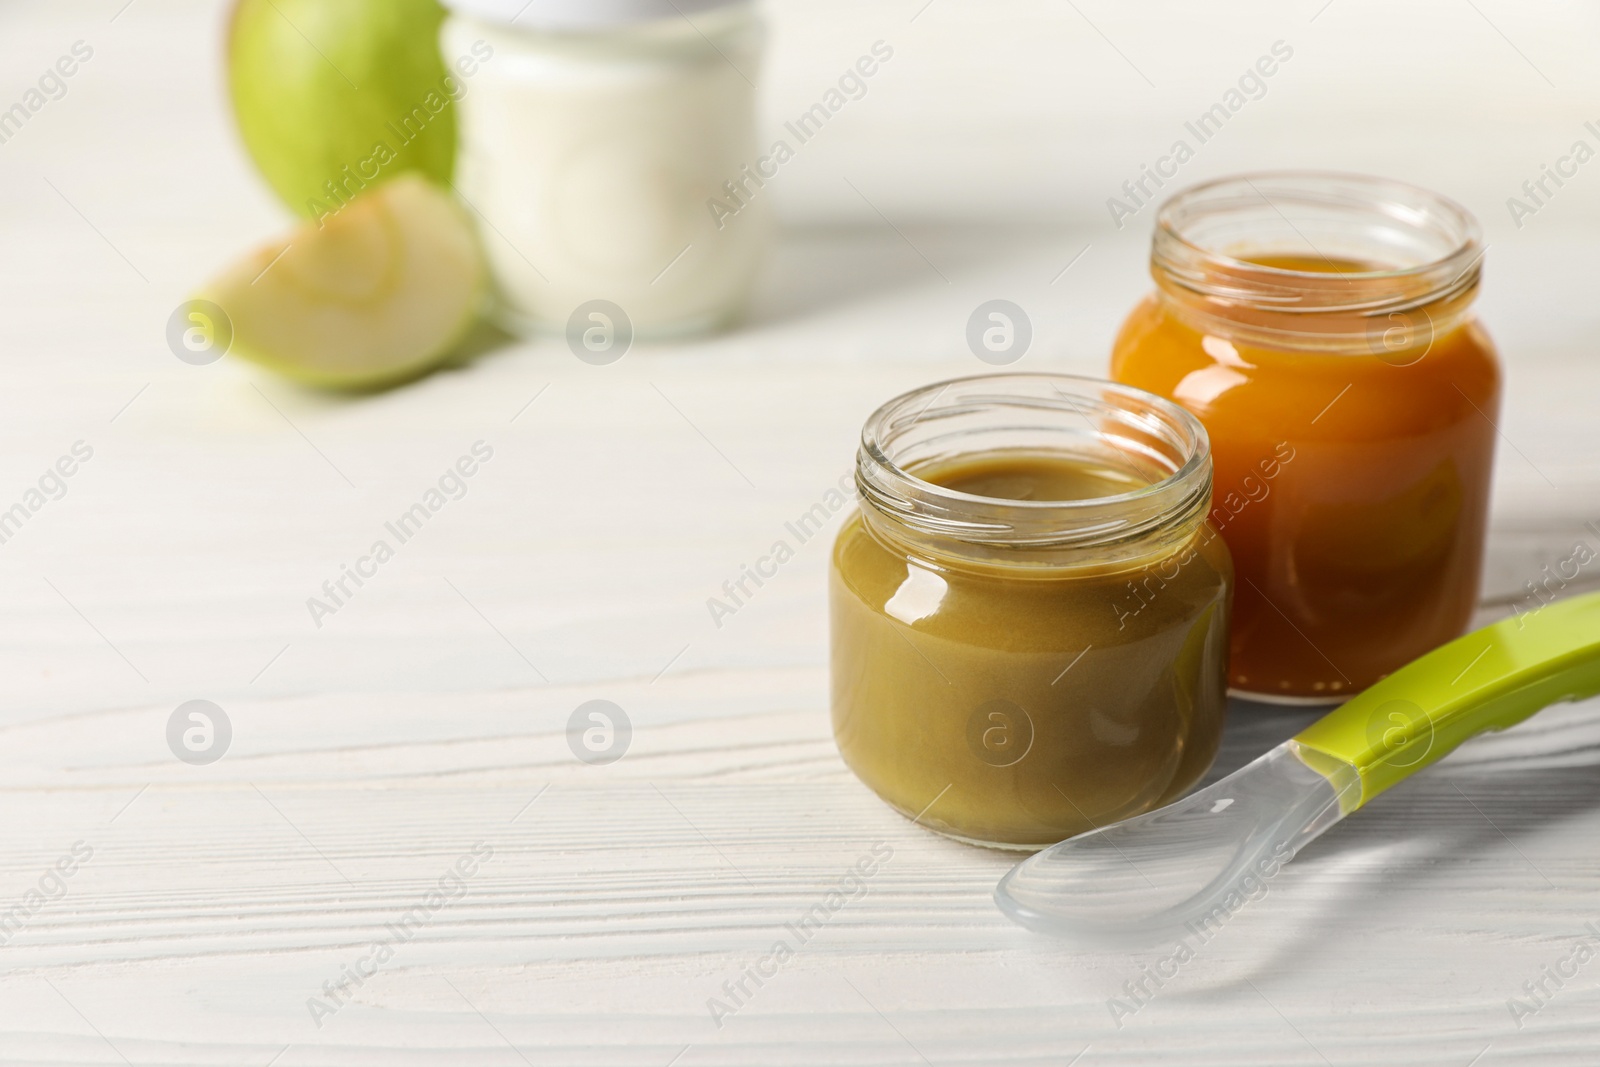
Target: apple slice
379	292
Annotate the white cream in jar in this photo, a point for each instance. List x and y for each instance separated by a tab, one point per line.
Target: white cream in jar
594	142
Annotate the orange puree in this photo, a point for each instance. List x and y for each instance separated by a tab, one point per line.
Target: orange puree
1352	480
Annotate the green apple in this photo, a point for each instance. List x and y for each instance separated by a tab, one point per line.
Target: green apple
375	294
332	95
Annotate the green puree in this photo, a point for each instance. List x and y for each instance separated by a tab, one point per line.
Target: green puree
1048	699
1033	476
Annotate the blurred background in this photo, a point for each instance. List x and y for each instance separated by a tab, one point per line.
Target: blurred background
1025	111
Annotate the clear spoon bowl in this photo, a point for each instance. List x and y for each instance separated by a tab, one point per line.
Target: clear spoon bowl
1187	866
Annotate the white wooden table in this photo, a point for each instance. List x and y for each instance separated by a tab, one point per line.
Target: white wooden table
608	905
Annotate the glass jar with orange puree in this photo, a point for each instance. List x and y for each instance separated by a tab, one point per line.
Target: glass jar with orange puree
1320	327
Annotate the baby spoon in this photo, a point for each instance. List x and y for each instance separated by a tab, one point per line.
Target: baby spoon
1188	866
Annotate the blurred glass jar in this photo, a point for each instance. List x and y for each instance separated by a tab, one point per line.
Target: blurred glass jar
596	136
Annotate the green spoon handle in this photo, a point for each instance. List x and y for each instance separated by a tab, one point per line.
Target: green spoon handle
1488	680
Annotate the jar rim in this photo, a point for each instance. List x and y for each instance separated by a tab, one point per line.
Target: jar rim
1150	423
584	15
1442	239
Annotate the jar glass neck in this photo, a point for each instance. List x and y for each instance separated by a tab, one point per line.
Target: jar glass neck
1162	448
719	27
1317	261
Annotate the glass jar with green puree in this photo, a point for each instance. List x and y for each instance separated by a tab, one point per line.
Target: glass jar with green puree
1029	613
